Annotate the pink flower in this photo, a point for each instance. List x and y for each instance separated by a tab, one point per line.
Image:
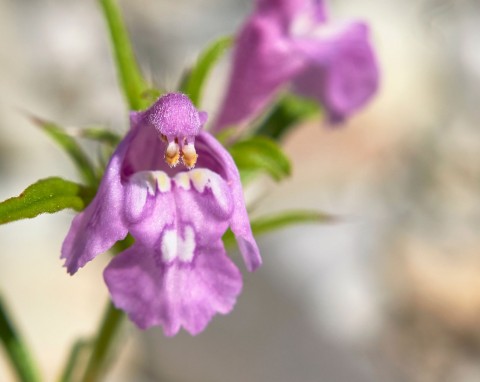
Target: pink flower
177	273
291	42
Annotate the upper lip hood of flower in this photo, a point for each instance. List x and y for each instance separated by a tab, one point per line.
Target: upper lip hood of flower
176	216
177	122
290	42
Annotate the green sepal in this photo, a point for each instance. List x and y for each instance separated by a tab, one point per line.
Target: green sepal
281	220
48	195
193	82
287	113
260	154
71	147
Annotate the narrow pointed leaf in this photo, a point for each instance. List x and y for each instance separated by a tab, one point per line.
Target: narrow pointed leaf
289	111
71	147
99	134
15	349
131	80
45	196
260	154
281	220
194	81
273	222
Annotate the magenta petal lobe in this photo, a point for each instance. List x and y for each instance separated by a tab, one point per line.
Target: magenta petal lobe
101	224
174	294
343	75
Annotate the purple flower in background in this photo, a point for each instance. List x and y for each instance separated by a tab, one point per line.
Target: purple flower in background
292	42
177	273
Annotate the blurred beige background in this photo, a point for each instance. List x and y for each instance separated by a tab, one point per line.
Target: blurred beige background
389	293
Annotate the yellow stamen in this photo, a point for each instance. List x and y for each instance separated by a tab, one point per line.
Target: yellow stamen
172	154
189	156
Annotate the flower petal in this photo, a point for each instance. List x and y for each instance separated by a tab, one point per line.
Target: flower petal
204	200
159	208
342	73
262	62
101	224
146	150
239	223
174	115
288	10
176	294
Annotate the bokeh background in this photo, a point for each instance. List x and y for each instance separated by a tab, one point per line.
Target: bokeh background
390	292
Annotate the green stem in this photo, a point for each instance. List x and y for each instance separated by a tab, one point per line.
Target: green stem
103	343
96	351
73	364
16	349
132	82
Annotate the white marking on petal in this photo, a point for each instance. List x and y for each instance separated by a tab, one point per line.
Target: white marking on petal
163	181
182	180
144	179
329	31
169	245
216	183
141	184
173	245
199	179
303	24
202	178
186	247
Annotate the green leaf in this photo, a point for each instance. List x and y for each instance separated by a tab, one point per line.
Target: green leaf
273	222
15	348
280	220
45	196
99	134
260	154
192	84
289	111
108	140
71	147
132	82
